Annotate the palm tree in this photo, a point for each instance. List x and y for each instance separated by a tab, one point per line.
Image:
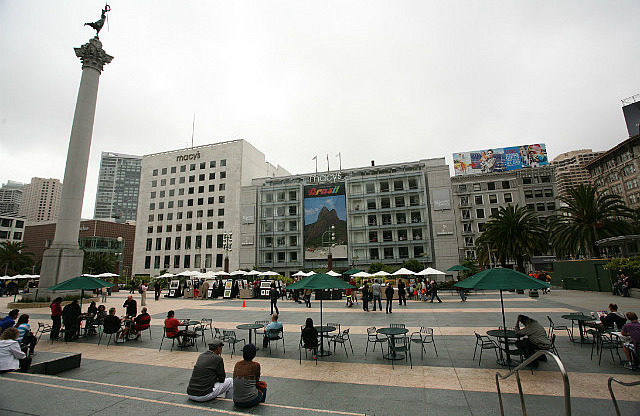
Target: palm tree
585	218
513	232
96	263
14	258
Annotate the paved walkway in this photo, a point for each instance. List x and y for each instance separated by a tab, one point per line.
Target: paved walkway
136	377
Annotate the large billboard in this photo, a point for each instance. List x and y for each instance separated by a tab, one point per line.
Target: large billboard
325	206
500	159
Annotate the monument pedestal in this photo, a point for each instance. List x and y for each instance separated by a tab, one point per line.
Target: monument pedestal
59	264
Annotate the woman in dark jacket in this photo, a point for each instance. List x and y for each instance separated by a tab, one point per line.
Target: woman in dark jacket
310	337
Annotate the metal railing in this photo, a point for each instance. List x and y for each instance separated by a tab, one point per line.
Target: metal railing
613	397
516	371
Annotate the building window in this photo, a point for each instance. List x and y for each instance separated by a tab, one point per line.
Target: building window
173	169
220	212
176	261
220	225
156	262
223	163
491	186
221	199
176	242
506	185
212	164
493	199
388	253
212	175
373	254
167	243
480	213
149	244
187	261
476	187
154	172
223	175
508	198
478	199
187	243
212	188
147	262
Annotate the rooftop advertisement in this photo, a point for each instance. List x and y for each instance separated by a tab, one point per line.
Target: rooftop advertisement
501	159
325	206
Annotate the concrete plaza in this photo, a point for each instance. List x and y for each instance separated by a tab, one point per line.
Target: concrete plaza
137	378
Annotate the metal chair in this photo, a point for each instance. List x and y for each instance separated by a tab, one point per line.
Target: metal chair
397	326
199	329
301	347
424	336
229	336
171	337
403	346
342	338
553	348
255	331
605	342
111	334
553	327
485	343
207	323
42	329
373	337
274	335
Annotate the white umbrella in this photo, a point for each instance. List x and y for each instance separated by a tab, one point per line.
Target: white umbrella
253	273
270	273
381	273
191	273
310	273
429	271
332	273
300	274
222	273
101	275
403	272
166	275
208	275
238	272
362	274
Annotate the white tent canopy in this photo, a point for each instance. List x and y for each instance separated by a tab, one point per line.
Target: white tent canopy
332	273
191	273
361	274
381	273
429	271
300	274
403	272
101	275
270	273
253	273
238	273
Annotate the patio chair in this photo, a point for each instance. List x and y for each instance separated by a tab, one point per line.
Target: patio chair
207	323
424	336
485	343
274	335
373	337
111	334
255	331
342	338
397	326
605	342
229	336
402	345
553	327
552	348
199	330
171	337
42	329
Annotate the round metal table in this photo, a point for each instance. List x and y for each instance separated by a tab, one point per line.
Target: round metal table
391	334
251	328
580	318
500	334
322	330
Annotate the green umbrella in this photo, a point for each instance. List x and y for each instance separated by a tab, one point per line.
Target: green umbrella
502	279
318	282
352	271
458	268
81	283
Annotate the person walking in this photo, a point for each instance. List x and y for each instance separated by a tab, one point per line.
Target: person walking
402	294
307	297
375	292
157	288
365	297
56	317
273	296
389	294
434	292
143	294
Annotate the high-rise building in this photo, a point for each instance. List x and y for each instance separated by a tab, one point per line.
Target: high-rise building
571	171
478	196
118	186
189	199
41	200
11	227
617	171
11	196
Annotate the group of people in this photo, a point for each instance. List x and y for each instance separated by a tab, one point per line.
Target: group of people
629	328
17	342
621	286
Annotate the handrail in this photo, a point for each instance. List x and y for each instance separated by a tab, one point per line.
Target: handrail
565	377
613	397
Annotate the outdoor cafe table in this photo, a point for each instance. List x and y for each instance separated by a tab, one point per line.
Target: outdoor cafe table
251	328
580	318
500	334
391	334
322	330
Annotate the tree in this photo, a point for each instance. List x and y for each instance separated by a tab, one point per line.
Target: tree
413	265
585	218
14	258
470	264
514	232
376	267
97	262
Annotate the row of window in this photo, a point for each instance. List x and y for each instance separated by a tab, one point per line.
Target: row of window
385	203
197	261
188	227
538	193
479	199
491	186
385	186
190	202
6	235
395	235
279	196
480	212
400	218
190	191
192	166
166	244
191	179
389	253
8	222
281	211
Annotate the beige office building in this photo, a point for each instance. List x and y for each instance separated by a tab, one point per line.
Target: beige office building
41	200
571	171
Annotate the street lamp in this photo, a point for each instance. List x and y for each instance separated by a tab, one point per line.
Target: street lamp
119	258
331	241
226	245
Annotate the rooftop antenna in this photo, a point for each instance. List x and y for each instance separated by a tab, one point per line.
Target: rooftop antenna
193	127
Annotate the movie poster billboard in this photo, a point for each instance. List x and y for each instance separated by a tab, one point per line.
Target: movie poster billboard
500	159
325	205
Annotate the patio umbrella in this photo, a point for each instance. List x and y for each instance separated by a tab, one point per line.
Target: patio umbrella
320	282
238	273
458	268
352	271
253	273
332	273
361	274
429	271
270	273
82	283
403	272
300	274
381	273
501	279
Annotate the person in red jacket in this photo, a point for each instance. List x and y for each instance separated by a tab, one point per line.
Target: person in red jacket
56	317
171	325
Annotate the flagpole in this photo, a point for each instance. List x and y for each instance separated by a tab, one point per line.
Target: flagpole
328	163
340	159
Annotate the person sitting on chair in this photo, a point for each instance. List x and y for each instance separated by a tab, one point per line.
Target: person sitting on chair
208	379
26	339
112	324
248	390
273	325
613	317
9	320
11	356
139	323
632	330
536	338
171	325
310	337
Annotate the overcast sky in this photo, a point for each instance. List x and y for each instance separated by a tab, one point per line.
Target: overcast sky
389	81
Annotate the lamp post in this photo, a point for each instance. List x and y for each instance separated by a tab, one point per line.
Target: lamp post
331	232
119	258
226	245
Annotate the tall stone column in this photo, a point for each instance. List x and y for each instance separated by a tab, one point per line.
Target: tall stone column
64	259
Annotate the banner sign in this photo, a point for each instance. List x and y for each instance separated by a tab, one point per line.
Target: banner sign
500	159
325	206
